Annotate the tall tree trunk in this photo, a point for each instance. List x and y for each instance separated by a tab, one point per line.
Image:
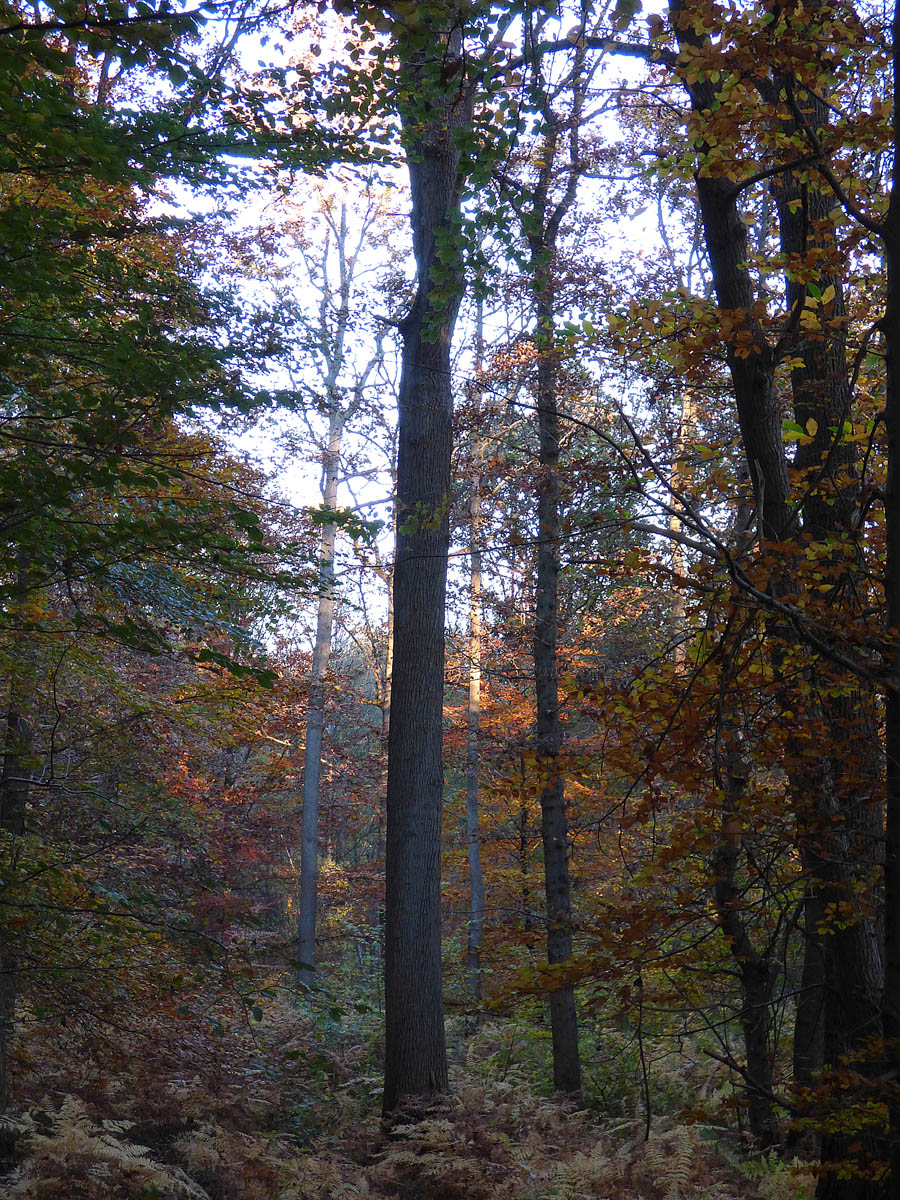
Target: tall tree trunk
473	707
838	799
415	1049
681	481
756	970
473	712
548	740
333	270
541	229
315	714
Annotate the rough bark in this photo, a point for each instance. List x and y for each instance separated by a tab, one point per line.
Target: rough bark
415	1049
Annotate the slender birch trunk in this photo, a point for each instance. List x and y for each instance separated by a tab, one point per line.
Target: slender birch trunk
473	709
315	715
473	713
338	261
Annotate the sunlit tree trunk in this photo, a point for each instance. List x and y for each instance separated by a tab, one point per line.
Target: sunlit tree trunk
473	707
315	713
473	713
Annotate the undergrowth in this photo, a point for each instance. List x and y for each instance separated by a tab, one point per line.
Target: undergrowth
288	1110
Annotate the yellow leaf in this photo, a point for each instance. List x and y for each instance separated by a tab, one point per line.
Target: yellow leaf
812	427
829	294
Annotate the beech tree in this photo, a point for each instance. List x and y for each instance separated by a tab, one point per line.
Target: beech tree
851	970
415	1053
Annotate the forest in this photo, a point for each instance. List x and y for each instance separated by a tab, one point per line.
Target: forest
450	611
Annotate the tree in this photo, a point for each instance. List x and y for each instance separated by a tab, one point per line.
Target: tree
415	1054
542	215
836	808
108	341
808	508
337	393
475	930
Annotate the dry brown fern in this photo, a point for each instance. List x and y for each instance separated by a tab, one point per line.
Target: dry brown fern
68	1153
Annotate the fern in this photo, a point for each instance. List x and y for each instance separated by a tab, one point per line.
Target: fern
679	1148
67	1150
779	1180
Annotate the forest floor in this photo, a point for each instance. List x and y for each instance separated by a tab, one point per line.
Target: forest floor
289	1111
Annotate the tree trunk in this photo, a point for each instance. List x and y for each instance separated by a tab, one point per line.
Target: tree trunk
548	739
541	229
473	711
681	483
809	1030
755	969
837	798
338	256
315	715
415	1049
